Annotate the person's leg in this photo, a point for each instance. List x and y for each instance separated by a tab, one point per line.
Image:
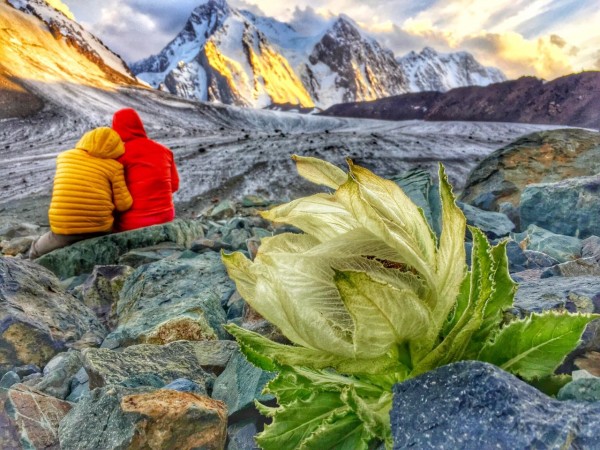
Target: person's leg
51	241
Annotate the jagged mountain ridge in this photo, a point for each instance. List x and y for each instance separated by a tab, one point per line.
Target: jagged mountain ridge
66	30
433	71
232	56
570	100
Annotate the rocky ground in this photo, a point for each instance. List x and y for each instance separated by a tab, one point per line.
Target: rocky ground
117	342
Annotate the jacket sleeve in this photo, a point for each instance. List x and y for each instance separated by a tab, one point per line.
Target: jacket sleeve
121	196
174	176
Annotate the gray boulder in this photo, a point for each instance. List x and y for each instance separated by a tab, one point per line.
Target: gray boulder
100	291
570	207
240	384
140	256
477	405
39	320
493	224
582	267
560	247
117	417
199	362
175	300
541	157
582	390
59	373
34	417
81	257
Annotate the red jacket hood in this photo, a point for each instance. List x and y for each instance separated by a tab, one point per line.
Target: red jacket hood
128	124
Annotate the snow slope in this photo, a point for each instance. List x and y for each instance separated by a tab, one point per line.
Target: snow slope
433	71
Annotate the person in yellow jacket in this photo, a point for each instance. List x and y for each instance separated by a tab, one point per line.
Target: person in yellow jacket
88	186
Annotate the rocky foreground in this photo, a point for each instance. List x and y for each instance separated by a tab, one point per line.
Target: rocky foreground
118	341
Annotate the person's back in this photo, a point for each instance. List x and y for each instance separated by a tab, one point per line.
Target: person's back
150	174
88	186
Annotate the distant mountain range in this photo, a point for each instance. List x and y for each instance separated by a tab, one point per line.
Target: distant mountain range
233	56
571	100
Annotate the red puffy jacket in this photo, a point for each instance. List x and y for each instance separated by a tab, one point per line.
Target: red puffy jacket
150	174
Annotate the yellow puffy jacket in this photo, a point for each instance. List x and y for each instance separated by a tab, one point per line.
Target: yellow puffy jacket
89	185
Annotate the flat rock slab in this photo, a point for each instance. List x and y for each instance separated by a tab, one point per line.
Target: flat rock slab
542	157
147	255
471	405
570	207
117	417
168	301
240	384
36	416
38	318
199	362
81	257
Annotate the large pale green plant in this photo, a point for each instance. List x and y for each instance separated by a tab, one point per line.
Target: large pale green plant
369	296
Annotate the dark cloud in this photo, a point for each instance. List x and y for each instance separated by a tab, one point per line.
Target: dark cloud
307	21
557	40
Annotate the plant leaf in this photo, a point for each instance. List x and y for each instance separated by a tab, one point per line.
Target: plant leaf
319	215
320	172
271	356
535	346
450	261
383	315
296	422
551	384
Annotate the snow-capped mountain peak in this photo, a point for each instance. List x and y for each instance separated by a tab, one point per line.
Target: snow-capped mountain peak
433	71
235	56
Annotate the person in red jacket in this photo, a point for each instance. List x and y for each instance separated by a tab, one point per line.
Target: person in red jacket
150	174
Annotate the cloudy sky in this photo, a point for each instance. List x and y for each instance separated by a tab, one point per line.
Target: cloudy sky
546	38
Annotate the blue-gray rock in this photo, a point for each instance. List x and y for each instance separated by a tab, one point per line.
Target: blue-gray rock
118	417
582	390
493	224
582	267
542	157
240	384
197	361
39	320
59	373
562	248
249	201
80	386
185	385
241	435
28	369
223	210
591	248
203	245
574	294
8	379
100	292
82	256
139	256
34	416
519	259
168	301
142	379
471	405
570	207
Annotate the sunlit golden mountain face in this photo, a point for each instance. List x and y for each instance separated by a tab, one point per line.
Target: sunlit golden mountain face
47	46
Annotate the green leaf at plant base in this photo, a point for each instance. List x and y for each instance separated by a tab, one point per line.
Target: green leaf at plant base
535	346
321	421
